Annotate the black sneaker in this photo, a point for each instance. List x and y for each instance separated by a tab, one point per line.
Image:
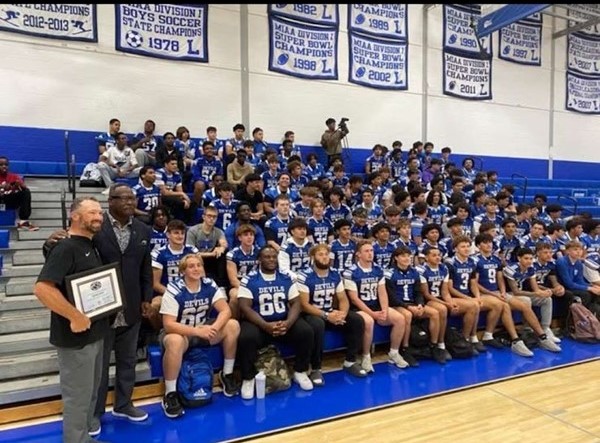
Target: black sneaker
438	355
408	357
492	342
230	388
172	406
479	347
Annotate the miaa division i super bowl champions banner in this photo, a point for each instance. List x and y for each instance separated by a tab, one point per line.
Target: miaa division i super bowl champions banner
379	20
583	54
466	77
459	34
302	50
583	94
378	63
521	43
172	31
60	21
325	14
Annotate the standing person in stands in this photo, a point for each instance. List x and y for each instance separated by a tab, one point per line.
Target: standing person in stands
331	139
109	139
118	161
269	303
14	194
145	144
79	342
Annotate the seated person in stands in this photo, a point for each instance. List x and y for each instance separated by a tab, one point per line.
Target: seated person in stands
167	150
365	285
508	243
225	206
186	306
297	179
243	215
574	231
360	229
431	235
462	212
337	209
147	194
282	188
241	260
204	168
238	170
118	161
15	195
211	193
468	170
342	248
270	308
326	307
320	229
172	195
159	219
211	135
591	237
376	160
570	272
145	143
552	214
109	139
276	228
313	170
535	236
293	255
271	175
186	146
235	143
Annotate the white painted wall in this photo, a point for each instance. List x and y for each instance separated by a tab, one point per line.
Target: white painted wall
73	85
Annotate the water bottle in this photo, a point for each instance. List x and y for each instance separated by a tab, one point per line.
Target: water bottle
260	381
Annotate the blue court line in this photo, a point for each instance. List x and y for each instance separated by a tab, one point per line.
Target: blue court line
230	419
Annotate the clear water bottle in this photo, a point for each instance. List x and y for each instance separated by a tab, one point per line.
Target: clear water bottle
260	381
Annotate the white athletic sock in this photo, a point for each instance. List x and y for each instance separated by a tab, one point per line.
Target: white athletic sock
367	356
228	366
393	351
488	336
170	386
474	339
441	345
348	364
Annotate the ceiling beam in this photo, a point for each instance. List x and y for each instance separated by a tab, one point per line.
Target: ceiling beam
578	27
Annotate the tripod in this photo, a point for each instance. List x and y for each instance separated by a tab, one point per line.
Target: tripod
345	155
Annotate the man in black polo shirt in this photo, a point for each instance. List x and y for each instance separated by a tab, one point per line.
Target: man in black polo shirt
252	194
79	342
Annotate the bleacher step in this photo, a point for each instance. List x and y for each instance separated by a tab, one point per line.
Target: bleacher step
42	234
24	320
21	271
28	364
23	342
54	196
24	245
19	302
19	286
28	258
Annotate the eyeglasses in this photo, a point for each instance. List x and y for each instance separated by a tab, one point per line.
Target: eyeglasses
210	216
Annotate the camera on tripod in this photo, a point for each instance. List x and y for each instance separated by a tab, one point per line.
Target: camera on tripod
342	125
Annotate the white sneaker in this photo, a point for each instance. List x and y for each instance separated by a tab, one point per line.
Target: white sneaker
303	381
106	191
397	360
551	335
247	391
519	348
549	345
366	364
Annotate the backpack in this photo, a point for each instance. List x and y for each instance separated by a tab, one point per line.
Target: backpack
195	381
90	177
582	324
457	345
419	340
274	367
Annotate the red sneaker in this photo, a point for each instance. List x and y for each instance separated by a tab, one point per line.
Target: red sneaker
27	226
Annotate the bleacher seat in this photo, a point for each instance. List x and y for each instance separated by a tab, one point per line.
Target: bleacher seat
8	218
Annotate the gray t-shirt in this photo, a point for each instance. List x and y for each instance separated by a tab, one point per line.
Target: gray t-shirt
201	240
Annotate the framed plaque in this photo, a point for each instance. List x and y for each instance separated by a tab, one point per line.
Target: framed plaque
97	292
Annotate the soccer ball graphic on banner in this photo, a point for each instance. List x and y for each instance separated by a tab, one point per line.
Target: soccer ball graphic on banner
134	38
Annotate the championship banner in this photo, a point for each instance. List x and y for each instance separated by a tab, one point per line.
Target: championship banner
468	78
380	64
583	94
303	51
533	19
325	14
583	54
459	32
521	43
381	20
163	30
61	20
593	8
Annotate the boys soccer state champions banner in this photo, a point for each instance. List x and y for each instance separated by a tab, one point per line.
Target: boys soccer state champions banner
171	31
60	21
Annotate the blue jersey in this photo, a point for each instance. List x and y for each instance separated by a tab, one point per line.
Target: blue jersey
276	229
270	294
297	183
497	220
342	255
320	230
151	145
461	274
209	195
334	214
147	198
359	231
523	228
591	243
301	210
272	193
107	140
158	239
376	162
542	271
187	149
426	245
269	179
233	241
514	273
340	182
416	226
448	245
226	212
410	244
383	254
168	260
235	143
374	214
434	278
438	214
493	188
592	261
245	263
365	282
314	173
170	181
403	282
397	168
192	308
487	271
528	242
293	257
203	168
321	290
507	247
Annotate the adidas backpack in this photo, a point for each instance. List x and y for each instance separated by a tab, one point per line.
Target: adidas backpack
195	381
582	324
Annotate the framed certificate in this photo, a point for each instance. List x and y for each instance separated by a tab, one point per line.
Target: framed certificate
98	292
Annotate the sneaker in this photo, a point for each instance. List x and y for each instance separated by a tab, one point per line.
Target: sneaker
408	357
172	406
397	360
247	391
493	343
229	385
447	354
316	377
95	428
367	365
356	369
131	412
551	335
479	347
549	345
303	381
27	226
519	348
438	355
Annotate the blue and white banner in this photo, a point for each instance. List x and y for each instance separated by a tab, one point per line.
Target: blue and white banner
382	20
380	64
521	43
303	51
593	8
61	20
466	77
583	54
459	33
163	30
325	14
583	94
